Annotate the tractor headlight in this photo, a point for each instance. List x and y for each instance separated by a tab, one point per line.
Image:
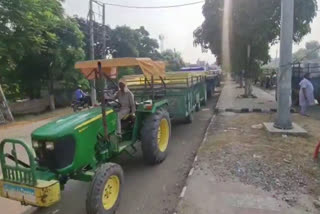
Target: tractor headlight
50	146
35	144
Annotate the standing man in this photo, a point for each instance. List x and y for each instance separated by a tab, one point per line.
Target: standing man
306	96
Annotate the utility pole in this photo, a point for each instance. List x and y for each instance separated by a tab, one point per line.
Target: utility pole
104	32
91	52
283	120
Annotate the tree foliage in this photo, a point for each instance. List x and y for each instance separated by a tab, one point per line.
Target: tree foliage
173	59
124	41
310	52
37	43
253	22
120	42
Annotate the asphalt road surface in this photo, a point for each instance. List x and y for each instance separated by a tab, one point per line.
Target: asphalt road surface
147	189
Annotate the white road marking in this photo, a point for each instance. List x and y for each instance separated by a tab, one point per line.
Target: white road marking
183	191
191	171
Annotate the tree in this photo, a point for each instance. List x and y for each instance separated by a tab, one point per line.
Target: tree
173	59
146	46
310	52
47	53
98	38
254	24
124	41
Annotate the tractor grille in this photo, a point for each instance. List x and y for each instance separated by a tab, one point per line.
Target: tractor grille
62	155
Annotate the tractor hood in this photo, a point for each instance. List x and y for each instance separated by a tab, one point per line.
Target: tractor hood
66	125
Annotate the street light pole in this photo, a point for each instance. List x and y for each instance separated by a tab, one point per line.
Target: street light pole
283	120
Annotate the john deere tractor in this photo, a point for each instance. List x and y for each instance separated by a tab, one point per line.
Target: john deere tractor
81	145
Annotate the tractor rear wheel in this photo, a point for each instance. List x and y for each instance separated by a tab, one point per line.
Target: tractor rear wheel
155	135
105	190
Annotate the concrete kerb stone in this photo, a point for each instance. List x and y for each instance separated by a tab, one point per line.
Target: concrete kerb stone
204	139
244	110
247	110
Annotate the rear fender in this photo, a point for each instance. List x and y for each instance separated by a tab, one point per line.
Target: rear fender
159	104
142	113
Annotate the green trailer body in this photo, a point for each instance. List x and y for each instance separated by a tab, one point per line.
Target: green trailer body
185	92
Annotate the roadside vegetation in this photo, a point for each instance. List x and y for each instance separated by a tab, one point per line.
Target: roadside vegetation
39	45
255	27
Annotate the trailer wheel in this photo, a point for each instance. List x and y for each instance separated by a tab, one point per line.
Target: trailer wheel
155	135
204	101
198	107
189	118
105	190
209	93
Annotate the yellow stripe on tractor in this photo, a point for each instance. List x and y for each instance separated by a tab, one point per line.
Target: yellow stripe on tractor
92	120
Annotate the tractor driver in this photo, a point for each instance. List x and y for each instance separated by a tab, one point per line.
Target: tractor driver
126	99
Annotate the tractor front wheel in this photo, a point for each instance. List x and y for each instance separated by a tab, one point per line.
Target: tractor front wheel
155	135
105	190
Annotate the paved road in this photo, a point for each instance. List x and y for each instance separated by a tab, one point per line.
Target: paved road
147	189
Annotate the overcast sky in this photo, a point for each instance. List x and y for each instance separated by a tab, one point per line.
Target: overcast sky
176	24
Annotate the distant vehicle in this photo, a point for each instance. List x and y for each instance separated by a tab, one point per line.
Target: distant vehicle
78	105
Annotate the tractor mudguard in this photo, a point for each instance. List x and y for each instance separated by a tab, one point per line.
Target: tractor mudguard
23	182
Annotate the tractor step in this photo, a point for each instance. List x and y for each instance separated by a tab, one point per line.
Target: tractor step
123	147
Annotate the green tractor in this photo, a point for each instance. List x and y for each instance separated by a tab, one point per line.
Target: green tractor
81	145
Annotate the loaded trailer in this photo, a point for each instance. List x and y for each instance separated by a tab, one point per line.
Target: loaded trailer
185	92
212	77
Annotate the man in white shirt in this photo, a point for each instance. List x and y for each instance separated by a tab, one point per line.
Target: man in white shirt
306	96
126	99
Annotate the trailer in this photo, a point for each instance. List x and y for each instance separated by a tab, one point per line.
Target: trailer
212	77
186	92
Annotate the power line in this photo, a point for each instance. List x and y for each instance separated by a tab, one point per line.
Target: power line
152	7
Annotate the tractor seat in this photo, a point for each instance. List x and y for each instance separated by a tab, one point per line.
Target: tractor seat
128	117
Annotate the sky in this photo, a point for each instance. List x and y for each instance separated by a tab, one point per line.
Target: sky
176	24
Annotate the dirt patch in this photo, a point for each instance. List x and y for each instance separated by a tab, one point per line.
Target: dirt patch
238	148
27	119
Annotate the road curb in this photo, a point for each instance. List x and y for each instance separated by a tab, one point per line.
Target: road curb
204	139
249	110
